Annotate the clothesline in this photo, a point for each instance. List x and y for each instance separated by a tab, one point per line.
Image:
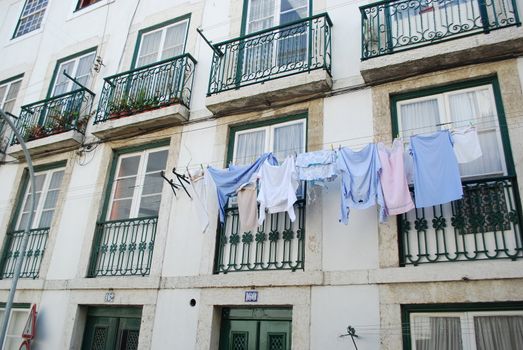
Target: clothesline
335	144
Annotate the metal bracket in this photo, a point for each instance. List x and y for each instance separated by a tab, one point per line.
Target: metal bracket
79	84
351	332
208	42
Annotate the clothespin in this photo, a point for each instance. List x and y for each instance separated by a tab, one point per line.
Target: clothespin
201	166
182	178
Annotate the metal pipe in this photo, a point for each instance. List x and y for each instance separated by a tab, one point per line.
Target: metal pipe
25	240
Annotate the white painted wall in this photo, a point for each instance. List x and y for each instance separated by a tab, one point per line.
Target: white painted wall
51	319
348	122
333	309
175	324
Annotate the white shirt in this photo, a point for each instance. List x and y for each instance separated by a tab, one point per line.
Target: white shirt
278	185
466	144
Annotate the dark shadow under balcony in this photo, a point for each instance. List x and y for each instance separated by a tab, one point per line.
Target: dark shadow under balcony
278	244
272	67
54	124
123	247
484	225
33	254
393	27
147	98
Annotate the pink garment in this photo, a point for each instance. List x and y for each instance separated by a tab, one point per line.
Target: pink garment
393	180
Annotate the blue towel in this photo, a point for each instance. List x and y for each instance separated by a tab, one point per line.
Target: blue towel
436	172
229	180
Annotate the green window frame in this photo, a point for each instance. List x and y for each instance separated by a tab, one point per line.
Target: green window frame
23	193
9	89
142	152
71	65
160	30
462	320
31	17
490	82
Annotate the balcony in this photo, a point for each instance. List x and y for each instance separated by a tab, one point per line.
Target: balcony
123	247
33	255
55	124
144	99
484	225
244	69
278	244
393	27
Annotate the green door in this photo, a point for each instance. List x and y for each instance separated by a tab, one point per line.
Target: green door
256	329
112	329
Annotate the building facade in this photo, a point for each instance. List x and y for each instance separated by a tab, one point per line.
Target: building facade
110	93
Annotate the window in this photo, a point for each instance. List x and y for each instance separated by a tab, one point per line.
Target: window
17	321
466	330
283	139
31	17
162	43
8	93
78	67
48	185
459	108
137	186
84	3
291	45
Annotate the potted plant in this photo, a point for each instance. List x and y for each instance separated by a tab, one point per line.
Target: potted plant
34	132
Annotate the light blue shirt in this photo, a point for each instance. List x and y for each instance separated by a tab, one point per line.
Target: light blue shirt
229	180
436	172
360	181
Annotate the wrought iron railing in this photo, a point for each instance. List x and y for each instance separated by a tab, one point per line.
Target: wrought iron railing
285	50
391	26
153	86
485	224
33	254
277	245
55	115
123	247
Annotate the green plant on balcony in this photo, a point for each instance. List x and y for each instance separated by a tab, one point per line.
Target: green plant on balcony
34	132
119	108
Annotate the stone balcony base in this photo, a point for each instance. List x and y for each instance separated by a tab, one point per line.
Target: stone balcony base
273	93
62	142
135	124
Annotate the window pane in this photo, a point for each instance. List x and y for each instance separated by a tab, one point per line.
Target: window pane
149	48
261	15
84	69
149	206
433	333
3	90
56	179
249	146
419	117
121	209
50	199
157	161
293	10
46	218
499	332
288	139
174	40
152	184
129	166
62	82
125	188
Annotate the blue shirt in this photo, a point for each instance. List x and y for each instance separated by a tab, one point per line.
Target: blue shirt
360	180
229	180
436	172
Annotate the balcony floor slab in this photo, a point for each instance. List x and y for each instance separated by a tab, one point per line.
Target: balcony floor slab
273	93
142	122
62	142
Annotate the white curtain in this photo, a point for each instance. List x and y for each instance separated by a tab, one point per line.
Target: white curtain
174	41
478	108
288	139
261	15
436	333
50	199
499	332
84	70
419	117
10	98
62	82
249	146
149	48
